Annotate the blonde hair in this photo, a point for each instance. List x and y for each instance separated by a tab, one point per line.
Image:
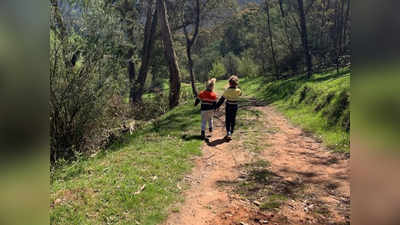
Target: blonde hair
233	81
211	84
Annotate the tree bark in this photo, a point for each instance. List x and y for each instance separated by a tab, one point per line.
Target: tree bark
189	45
174	78
346	22
271	40
338	33
304	38
131	75
281	8
148	44
285	25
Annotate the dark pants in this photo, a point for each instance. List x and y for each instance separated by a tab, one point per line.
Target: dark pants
230	116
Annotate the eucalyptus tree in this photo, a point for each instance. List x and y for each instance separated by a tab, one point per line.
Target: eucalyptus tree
170	55
304	37
194	14
191	40
267	9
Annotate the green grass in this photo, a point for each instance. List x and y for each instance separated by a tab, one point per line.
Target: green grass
319	105
109	187
273	202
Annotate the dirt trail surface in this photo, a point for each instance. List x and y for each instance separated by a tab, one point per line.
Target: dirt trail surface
270	173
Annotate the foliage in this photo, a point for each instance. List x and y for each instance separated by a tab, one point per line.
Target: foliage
247	67
231	63
218	70
83	79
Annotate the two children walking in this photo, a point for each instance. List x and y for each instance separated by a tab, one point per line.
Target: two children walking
209	104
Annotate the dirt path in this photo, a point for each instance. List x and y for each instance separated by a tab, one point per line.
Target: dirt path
270	173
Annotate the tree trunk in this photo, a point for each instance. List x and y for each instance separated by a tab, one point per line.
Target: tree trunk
285	25
148	44
346	21
304	38
131	75
271	41
281	8
338	31
190	62
189	45
174	73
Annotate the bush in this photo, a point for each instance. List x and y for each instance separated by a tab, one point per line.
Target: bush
231	63
79	98
218	70
247	68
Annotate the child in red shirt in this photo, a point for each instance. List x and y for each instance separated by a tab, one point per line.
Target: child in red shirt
208	99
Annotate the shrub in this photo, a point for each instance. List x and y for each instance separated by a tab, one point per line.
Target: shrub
248	68
79	98
218	70
231	63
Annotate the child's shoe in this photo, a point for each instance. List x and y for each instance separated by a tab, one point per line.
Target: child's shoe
228	136
210	129
203	135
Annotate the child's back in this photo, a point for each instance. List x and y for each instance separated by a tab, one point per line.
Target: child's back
231	95
208	99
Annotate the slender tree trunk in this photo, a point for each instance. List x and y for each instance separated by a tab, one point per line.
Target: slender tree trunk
271	40
281	8
131	74
148	44
341	33
174	78
285	25
321	39
338	31
189	45
192	79
304	38
346	21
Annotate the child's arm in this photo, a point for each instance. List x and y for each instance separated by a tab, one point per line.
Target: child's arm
197	102
220	102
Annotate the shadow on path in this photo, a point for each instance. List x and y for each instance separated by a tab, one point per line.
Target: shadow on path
215	142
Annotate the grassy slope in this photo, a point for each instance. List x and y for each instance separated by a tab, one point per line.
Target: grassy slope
319	105
101	189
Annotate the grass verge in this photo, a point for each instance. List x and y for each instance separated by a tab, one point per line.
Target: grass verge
133	182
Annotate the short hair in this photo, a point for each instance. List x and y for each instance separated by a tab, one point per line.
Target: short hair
234	80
